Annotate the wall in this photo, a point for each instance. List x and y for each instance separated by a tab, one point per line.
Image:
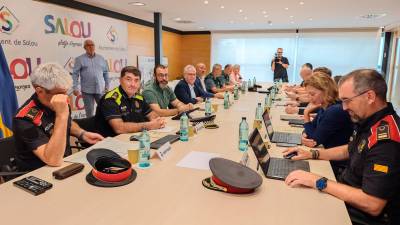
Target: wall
179	49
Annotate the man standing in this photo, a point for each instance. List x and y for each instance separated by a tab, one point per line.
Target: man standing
91	71
43	125
370	185
279	65
123	109
160	96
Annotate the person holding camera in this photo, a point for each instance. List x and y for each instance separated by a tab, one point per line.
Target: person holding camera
279	65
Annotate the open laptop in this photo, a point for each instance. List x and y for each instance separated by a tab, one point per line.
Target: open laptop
275	168
279	137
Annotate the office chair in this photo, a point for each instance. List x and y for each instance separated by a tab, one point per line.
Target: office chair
8	165
87	124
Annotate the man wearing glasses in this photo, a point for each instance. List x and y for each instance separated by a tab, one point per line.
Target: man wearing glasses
370	185
279	65
42	125
160	96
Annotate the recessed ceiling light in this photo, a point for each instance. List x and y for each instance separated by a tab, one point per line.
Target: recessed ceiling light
301	3
286	8
371	16
222	7
310	19
136	3
177	19
264	12
245	18
206	2
265	16
291	16
240	10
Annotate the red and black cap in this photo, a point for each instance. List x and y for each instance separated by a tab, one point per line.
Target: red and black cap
232	177
109	169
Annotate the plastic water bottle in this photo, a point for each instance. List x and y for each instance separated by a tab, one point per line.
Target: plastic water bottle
259	112
208	107
144	150
266	101
254	81
244	87
243	135
236	92
249	84
226	100
184	131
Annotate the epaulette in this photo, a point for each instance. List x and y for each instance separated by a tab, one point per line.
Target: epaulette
384	129
31	112
114	94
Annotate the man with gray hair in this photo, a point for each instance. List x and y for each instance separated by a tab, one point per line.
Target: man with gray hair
91	71
187	91
43	124
213	82
370	185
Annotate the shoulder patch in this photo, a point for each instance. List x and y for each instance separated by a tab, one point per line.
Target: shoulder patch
385	129
31	112
114	94
139	97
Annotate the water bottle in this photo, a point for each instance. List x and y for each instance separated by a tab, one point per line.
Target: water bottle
244	87
254	81
226	100
266	102
249	84
243	135
236	92
184	131
208	107
259	112
144	150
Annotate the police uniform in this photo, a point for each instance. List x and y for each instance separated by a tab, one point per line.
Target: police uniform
116	104
374	163
33	126
212	81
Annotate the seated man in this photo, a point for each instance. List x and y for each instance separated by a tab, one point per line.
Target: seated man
187	91
43	125
225	76
159	96
213	83
123	109
370	185
201	72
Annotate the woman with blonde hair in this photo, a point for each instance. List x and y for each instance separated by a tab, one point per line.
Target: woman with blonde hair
332	126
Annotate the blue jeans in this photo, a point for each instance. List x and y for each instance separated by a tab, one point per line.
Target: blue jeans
88	101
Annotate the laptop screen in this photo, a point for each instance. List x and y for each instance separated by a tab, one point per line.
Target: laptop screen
260	150
268	124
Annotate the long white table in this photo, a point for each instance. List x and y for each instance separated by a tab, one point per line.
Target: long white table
167	194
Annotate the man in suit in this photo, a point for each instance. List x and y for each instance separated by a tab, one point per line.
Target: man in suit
187	90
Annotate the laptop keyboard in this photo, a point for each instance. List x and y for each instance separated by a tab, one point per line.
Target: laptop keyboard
285	138
280	168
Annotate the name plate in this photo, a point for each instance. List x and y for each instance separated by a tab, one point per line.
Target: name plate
198	127
163	151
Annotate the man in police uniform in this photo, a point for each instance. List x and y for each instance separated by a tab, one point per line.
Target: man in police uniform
123	109
214	83
42	125
370	185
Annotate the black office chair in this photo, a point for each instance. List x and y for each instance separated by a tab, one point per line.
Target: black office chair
87	124
8	165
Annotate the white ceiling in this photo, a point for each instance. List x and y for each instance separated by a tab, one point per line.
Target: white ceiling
312	14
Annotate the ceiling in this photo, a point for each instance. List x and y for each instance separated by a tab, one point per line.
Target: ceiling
259	14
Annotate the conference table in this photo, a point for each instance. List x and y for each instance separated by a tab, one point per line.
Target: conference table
168	194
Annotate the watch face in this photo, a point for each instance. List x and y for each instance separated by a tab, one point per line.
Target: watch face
321	183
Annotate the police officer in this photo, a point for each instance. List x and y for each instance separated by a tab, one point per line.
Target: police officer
123	109
42	125
370	185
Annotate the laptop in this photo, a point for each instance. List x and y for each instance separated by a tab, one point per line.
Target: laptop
274	168
279	137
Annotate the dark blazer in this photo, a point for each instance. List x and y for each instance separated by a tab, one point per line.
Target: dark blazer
182	92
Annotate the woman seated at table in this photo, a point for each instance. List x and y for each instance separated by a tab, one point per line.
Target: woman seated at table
332	126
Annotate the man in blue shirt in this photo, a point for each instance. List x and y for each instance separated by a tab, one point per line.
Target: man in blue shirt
187	90
91	71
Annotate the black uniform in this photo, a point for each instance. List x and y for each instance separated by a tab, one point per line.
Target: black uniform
374	164
280	71
116	104
33	126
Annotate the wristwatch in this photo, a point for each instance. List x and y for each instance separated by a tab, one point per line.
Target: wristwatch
321	183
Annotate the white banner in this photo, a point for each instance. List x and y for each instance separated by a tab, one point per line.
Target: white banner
32	33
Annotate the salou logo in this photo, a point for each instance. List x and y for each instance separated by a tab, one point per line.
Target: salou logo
8	21
112	34
73	28
21	68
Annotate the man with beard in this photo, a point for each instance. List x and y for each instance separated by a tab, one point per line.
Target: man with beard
370	185
160	97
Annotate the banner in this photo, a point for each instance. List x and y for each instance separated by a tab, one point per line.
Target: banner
33	32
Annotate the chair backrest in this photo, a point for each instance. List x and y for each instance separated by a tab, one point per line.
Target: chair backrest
87	124
7	151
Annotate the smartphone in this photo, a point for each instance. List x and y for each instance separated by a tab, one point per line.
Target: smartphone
134	138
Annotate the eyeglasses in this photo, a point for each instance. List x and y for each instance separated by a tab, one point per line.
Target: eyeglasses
280	52
348	100
162	75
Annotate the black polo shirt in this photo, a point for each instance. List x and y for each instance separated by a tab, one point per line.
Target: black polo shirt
374	163
116	104
33	126
280	71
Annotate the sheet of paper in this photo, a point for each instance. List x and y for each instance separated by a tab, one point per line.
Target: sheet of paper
166	129
197	160
118	146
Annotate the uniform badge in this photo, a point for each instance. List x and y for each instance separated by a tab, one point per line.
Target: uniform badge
383	132
381	168
115	95
361	145
137	105
123	108
32	113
